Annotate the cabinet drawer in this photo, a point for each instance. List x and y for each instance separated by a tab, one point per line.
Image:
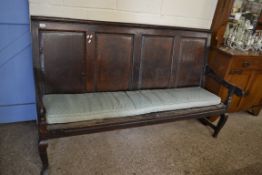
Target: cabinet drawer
246	63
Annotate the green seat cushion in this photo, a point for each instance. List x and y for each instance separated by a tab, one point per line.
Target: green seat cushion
64	108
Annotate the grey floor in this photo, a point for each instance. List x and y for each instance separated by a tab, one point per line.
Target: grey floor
179	148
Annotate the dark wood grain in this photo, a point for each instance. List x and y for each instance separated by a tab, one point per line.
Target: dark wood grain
62	58
121	56
114	59
191	61
57	20
156	61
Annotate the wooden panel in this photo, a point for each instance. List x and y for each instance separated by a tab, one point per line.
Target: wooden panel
254	92
62	58
114	59
190	62
156	61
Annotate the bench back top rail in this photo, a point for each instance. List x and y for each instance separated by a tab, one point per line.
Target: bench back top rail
76	56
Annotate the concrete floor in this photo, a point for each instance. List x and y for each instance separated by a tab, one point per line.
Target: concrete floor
179	148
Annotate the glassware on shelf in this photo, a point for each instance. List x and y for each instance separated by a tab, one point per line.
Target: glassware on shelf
240	36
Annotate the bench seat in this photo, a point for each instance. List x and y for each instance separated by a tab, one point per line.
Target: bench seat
64	108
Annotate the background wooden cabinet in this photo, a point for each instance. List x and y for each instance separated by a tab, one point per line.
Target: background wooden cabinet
253	100
244	71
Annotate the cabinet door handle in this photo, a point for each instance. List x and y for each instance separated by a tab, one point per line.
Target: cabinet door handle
237	71
245	64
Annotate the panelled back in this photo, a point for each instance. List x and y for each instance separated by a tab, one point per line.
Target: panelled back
88	56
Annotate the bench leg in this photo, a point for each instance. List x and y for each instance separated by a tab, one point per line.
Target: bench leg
220	124
42	148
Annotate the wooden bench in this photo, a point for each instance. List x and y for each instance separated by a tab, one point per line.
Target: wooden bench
98	76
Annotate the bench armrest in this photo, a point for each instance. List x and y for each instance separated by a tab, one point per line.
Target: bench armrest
231	88
41	107
41	111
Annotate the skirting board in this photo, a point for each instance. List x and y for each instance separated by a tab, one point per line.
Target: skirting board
17	113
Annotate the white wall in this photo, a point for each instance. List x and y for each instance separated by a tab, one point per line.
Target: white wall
185	13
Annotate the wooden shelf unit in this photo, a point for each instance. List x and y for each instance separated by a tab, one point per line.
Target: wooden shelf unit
241	69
